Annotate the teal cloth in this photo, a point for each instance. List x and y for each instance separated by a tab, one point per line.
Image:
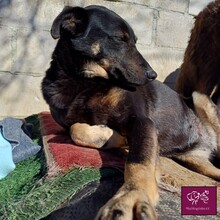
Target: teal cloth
6	161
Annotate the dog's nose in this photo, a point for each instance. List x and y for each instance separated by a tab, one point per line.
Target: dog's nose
151	75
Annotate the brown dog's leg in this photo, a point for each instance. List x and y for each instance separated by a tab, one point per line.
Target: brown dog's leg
138	196
200	164
96	136
208	113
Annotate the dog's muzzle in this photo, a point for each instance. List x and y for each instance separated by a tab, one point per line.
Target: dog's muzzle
151	75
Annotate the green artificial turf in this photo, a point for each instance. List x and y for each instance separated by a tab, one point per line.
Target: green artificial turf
21	181
27	193
44	197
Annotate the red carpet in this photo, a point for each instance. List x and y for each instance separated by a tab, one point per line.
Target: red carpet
61	152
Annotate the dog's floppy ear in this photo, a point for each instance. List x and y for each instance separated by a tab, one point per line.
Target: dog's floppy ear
72	20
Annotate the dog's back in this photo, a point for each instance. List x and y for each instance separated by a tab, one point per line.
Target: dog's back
200	70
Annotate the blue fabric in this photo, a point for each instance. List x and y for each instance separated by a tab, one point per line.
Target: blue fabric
6	161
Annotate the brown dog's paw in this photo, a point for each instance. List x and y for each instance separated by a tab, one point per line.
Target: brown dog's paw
96	136
128	205
91	136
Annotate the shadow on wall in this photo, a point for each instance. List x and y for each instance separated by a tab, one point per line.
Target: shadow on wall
25	52
20	35
5	3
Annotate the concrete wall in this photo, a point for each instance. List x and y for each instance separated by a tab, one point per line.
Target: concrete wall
162	27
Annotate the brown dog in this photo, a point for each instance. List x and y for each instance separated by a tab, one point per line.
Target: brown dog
200	70
100	88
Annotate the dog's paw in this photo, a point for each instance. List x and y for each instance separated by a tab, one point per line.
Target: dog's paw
128	205
96	136
91	136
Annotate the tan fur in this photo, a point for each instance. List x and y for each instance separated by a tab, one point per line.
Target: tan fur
144	178
114	96
109	100
206	110
201	164
130	202
95	48
96	136
104	63
139	192
92	136
71	23
92	69
208	114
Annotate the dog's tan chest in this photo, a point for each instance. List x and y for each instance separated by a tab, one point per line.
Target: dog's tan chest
107	101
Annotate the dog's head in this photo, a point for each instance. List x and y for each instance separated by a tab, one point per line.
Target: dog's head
106	42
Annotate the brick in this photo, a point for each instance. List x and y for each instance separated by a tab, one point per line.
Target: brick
196	6
172	5
33	51
173	29
19	13
31	13
104	2
139	17
141	2
47	11
6	37
21	95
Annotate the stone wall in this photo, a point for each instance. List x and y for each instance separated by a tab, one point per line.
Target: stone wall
162	27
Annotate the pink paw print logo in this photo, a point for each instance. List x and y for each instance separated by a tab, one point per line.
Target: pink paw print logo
195	196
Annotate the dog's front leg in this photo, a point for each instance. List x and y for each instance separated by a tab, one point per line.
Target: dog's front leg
96	136
137	197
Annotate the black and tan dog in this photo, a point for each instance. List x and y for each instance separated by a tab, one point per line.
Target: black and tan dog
100	88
